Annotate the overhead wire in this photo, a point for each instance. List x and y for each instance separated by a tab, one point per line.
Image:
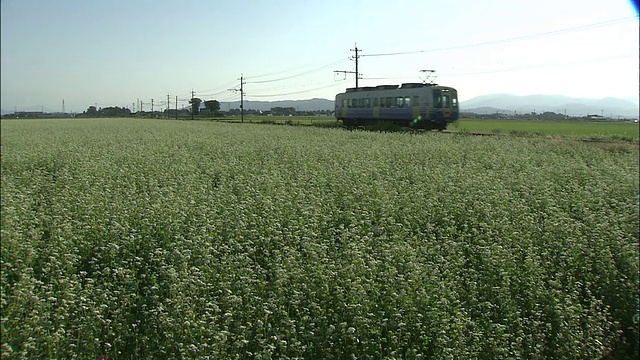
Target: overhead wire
295	92
537	66
518	38
224	90
274	73
297	75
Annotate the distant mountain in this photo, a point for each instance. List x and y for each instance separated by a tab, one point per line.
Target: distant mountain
314	104
615	107
485	104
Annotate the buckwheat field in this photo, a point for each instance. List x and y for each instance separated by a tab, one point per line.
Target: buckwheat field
153	239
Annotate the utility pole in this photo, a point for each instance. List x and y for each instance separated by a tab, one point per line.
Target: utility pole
63	106
356	57
192	106
241	97
151	107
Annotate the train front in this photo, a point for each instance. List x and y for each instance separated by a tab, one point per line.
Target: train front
445	108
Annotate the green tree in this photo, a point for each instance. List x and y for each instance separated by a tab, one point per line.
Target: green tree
92	111
213	106
195	105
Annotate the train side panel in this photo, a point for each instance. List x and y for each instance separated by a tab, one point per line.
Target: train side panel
421	106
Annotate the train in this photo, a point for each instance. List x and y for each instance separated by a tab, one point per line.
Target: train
415	105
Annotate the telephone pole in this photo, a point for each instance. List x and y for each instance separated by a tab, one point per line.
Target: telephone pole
151	107
241	97
355	57
193	94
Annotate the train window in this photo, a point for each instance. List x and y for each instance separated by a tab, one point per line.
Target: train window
375	102
344	103
454	101
407	102
350	103
399	101
367	103
446	100
390	102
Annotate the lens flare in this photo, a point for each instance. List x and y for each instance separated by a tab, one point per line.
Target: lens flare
634	5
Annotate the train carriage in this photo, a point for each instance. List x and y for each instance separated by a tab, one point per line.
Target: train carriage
424	106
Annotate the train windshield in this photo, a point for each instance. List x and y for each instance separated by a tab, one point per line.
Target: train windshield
445	99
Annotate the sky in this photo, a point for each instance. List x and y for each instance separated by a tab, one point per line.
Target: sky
126	52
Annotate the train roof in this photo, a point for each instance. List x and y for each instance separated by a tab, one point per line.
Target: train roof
390	87
417	85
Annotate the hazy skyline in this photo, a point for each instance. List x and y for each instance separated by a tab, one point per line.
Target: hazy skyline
112	53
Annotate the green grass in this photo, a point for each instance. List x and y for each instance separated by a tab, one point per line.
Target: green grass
580	129
321	121
178	239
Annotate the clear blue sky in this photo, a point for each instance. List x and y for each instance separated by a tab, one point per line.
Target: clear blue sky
112	53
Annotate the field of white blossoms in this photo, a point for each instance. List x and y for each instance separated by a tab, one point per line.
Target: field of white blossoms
156	239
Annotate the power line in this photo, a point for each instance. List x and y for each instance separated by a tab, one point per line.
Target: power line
296	75
293	93
358	54
537	66
519	38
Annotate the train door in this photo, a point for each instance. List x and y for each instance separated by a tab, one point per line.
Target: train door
344	107
376	108
416	109
445	102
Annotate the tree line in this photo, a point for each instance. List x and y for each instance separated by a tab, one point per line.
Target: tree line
111	111
212	105
212	109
